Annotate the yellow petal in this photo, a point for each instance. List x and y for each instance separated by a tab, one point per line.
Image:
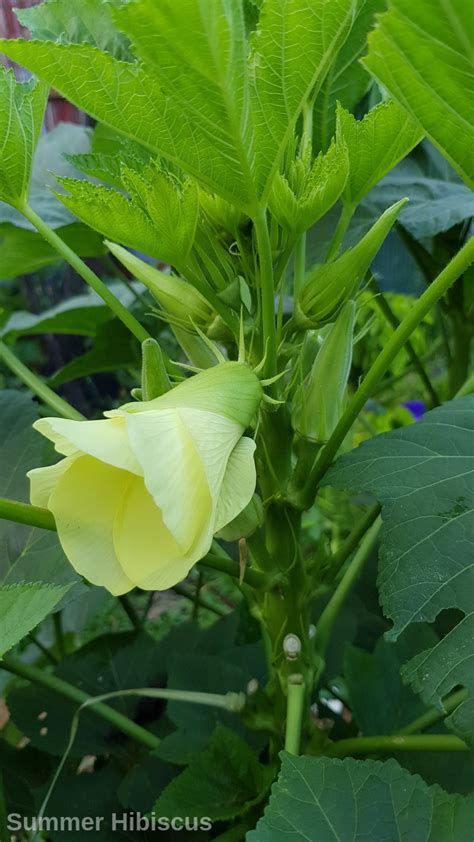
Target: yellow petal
146	549
105	439
44	480
173	472
238	484
84	503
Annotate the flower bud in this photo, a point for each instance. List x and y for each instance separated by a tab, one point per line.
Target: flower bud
329	285
178	298
319	400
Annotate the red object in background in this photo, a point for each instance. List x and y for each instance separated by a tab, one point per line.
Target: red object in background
58	110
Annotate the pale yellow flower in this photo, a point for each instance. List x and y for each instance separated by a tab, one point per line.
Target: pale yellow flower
140	494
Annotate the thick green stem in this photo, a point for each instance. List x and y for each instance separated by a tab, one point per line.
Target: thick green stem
347	213
294	713
86	273
435	291
227	565
267	292
329	615
391	318
24	513
433	715
392	744
36	384
57	685
300	267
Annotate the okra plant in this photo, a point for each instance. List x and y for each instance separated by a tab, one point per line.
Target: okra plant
252	168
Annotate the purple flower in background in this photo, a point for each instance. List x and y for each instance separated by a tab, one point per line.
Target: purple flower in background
417	409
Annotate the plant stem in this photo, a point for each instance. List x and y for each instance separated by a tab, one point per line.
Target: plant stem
130	611
329	615
387	745
57	685
433	714
255	578
437	288
294	713
25	513
353	539
86	273
58	634
391	318
267	292
347	213
36	384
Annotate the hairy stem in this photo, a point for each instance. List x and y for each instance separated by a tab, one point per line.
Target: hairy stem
329	615
267	293
435	291
388	745
86	273
37	385
295	705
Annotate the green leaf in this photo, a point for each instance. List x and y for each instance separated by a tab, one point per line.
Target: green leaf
422	475
282	81
375	144
23	252
321	799
220	783
23	606
91	23
347	80
139	788
422	52
112	214
80	315
22	106
381	703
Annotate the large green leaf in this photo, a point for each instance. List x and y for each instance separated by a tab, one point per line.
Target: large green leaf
347	80
23	251
22	107
422	52
194	98
375	144
422	475
23	606
319	799
114	348
221	783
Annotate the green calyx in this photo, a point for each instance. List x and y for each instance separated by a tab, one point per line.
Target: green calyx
231	389
327	287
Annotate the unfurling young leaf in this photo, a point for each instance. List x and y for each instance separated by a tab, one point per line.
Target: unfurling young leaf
22	106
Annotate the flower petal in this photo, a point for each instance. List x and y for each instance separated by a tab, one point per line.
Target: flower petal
146	549
238	484
105	439
84	504
43	480
174	473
